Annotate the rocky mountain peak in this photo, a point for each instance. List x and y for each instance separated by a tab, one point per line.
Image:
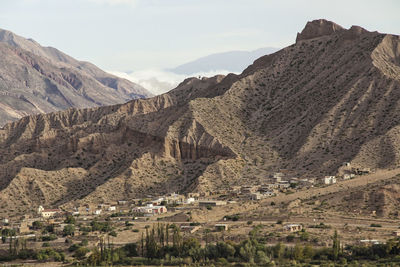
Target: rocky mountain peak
317	28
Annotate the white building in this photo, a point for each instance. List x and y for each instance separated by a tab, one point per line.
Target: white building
346	176
278	176
97	212
293	227
330	180
111	208
189	200
150	209
48	213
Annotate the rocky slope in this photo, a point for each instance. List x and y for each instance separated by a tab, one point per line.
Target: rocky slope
331	97
36	79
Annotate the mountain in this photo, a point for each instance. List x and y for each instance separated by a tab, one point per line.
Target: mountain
36	79
331	97
232	61
161	81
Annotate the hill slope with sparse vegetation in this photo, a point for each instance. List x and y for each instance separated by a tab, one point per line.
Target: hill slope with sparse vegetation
331	97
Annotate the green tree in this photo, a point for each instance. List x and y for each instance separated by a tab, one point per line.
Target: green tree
308	252
69	230
131	249
336	245
247	251
151	244
304	236
279	250
81	252
95	258
298	252
37	225
70	219
261	258
225	250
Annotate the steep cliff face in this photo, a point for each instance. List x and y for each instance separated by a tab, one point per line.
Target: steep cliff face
36	79
331	97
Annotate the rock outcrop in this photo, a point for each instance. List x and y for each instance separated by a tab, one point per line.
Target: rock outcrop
318	28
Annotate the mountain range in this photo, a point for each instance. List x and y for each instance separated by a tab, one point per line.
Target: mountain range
232	61
332	97
36	79
163	80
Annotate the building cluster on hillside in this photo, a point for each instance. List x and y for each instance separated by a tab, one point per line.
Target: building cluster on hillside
347	171
273	185
147	207
276	183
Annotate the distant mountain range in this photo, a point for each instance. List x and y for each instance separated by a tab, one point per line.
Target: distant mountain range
232	61
331	97
36	79
161	81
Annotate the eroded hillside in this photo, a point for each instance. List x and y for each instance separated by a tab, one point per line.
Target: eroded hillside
331	97
36	79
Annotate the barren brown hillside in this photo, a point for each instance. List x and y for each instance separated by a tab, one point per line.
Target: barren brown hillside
331	97
36	79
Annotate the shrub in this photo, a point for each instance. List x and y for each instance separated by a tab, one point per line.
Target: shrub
69	230
304	236
73	247
49	237
70	219
131	249
290	238
36	225
81	252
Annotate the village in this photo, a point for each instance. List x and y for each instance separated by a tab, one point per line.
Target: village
277	183
126	221
154	206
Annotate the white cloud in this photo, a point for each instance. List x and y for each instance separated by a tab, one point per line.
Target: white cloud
161	81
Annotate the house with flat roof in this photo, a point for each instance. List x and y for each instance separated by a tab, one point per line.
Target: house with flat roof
150	209
212	203
328	180
293	227
48	213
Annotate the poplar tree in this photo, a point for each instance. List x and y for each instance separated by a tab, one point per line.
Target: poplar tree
336	245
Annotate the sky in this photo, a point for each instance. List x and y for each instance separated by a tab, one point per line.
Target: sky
139	35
